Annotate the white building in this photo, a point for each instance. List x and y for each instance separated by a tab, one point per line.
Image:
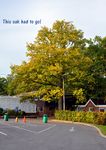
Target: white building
13	102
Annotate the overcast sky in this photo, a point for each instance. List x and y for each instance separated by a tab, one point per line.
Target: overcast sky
87	15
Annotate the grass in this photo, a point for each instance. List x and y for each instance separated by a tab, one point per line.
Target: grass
102	128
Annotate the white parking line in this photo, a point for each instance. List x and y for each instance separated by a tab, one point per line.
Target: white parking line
23	129
46	129
3	133
35	132
19	128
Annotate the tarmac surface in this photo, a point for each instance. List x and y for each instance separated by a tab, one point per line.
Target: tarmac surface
35	135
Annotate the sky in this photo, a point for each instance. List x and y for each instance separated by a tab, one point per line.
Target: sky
87	15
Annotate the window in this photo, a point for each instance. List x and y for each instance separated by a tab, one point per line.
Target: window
101	109
91	109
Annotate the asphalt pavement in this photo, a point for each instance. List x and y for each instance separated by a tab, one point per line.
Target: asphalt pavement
49	136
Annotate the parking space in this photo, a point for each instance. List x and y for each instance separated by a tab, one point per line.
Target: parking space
48	136
31	126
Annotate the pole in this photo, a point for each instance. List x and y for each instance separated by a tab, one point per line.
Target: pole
63	95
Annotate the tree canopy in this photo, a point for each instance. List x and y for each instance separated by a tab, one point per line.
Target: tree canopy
60	53
3	86
97	52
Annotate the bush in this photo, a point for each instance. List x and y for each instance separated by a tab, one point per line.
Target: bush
87	117
100	118
11	112
1	111
21	113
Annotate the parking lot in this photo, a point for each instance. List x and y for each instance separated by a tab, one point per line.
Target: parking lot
35	135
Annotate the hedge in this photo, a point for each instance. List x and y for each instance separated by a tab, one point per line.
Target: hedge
87	117
1	111
13	113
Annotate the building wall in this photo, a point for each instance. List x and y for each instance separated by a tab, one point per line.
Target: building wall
102	109
13	102
90	106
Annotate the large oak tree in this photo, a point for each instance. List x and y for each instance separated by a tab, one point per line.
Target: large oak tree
56	55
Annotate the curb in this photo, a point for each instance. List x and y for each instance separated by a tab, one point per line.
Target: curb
80	123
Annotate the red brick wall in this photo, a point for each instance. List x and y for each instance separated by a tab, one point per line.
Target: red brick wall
90	104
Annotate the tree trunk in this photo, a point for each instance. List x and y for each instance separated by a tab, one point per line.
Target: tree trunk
60	104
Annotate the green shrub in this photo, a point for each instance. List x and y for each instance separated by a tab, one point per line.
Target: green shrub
11	112
1	111
87	117
100	118
21	113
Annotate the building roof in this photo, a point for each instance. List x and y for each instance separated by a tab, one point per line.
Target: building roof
92	103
